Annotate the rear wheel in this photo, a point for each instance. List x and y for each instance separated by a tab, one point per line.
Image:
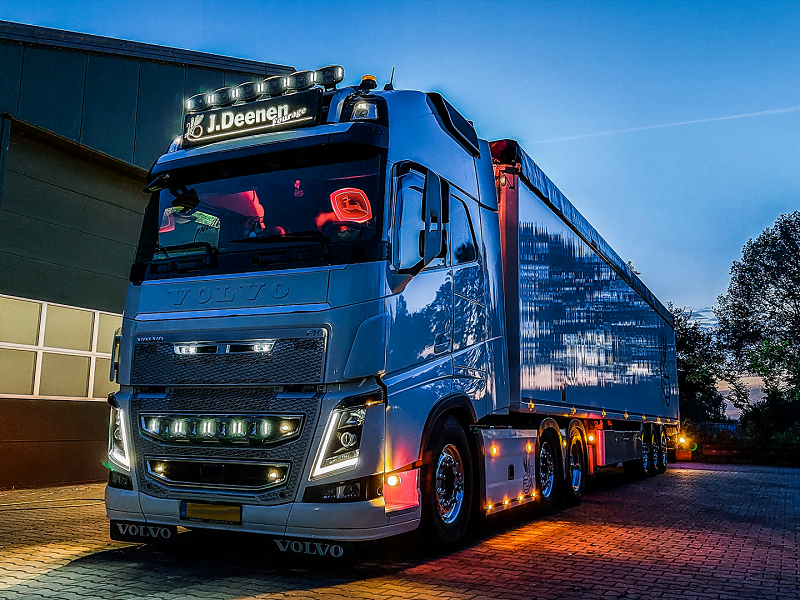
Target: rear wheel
576	469
640	468
448	483
548	470
662	450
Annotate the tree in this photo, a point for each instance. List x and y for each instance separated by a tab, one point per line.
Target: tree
700	364
759	316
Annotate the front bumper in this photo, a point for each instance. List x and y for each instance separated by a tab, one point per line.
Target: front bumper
346	521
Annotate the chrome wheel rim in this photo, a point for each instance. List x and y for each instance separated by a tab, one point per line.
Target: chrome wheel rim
547	470
576	464
663	449
449	484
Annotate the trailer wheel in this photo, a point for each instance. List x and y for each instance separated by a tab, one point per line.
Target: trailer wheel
655	450
576	469
662	451
548	471
640	467
448	483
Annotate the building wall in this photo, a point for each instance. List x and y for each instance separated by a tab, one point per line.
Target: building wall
82	119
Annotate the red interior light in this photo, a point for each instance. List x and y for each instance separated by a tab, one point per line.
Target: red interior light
351	204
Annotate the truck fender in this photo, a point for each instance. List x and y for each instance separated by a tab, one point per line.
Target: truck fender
576	424
458	404
462	406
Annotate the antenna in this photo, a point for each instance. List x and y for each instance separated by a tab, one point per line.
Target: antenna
389	85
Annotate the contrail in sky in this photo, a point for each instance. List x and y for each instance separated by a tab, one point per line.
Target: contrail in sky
631	129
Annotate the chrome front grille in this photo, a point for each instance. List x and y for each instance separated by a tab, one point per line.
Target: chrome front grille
188	480
289	361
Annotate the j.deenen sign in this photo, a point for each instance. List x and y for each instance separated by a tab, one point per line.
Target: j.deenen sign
274	114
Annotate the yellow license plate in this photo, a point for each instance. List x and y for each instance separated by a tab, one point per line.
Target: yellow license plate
211	513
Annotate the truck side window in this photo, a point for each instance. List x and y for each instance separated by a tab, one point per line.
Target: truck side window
463	240
411	223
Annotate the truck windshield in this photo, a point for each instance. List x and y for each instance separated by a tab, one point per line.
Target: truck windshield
294	210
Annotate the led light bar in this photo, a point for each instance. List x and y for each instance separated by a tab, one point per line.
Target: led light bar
274	86
223	97
248	91
329	76
197	102
300	80
254	430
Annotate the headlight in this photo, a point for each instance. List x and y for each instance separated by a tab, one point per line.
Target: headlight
118	439
341	441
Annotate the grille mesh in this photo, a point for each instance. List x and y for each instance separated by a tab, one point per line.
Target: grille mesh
292	361
233	400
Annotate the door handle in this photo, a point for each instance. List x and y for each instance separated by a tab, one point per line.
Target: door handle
441	343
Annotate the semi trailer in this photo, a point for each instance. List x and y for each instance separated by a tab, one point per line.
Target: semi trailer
350	317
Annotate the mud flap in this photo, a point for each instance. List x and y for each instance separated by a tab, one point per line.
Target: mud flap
143	533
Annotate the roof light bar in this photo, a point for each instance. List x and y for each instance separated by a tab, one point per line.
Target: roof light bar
248	91
329	76
223	97
274	86
197	102
300	80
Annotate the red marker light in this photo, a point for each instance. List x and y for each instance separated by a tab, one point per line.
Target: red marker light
351	204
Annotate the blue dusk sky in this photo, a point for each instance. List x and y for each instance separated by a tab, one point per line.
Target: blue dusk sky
674	127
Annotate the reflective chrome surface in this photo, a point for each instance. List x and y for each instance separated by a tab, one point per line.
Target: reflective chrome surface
547	469
449	483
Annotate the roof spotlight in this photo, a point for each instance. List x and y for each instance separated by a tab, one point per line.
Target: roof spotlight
197	102
329	76
300	80
223	97
274	86
248	91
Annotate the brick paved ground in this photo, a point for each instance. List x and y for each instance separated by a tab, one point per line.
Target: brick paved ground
695	533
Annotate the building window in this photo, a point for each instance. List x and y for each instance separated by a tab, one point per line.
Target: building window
54	351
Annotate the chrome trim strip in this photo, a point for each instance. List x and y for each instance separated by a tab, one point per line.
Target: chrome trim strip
233	312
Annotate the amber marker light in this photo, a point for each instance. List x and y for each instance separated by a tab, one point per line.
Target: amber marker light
393	481
682	440
529	447
591	437
494	450
521	498
489	506
505	502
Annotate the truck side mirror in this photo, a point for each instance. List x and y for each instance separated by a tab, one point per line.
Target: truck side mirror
433	216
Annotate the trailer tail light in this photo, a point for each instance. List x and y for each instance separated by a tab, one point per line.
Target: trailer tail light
401	490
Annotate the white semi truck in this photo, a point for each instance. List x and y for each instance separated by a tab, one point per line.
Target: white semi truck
350	317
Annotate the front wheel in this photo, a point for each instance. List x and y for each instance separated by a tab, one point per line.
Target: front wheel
448	483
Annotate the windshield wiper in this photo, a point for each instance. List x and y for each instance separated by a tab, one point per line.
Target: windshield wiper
298	236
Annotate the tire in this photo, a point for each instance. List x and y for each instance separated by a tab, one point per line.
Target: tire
548	469
640	467
448	483
662	451
652	436
576	469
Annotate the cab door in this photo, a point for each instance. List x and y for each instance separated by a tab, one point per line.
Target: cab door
419	367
